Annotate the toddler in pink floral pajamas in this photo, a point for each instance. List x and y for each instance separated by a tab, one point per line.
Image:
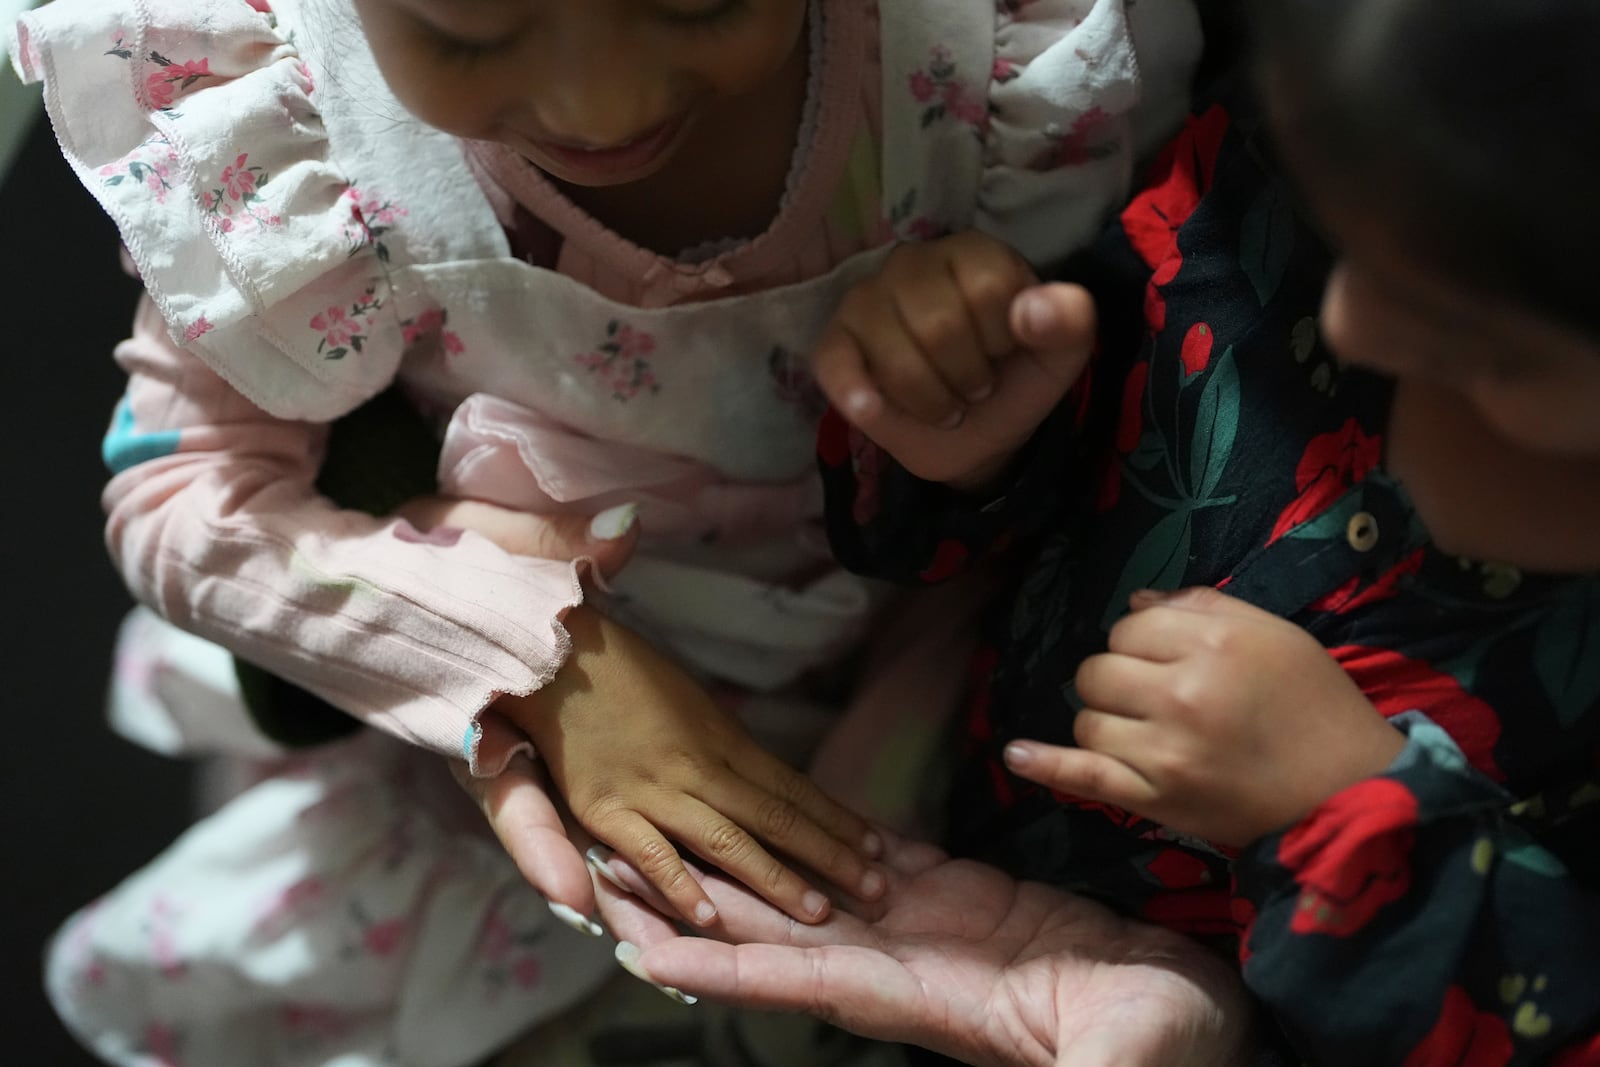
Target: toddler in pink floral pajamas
593	244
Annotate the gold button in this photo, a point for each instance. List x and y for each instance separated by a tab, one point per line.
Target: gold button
1362	533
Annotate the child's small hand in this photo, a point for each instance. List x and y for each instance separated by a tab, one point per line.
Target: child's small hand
645	760
1214	718
953	354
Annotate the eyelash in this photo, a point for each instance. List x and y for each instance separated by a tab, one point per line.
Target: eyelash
465	53
708	21
454	50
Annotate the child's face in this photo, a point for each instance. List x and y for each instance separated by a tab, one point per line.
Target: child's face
1535	381
594	92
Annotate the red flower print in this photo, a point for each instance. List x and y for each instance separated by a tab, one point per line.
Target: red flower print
979	674
1196	912
1351	596
1131	426
866	459
1174	868
1196	352
947	560
923	87
1463	1036
1396	684
1351	857
833	439
1110	486
1155	303
1180	177
1584	1054
1330	465
1004	70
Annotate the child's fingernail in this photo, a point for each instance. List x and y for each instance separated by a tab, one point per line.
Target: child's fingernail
871	885
599	860
982	393
872	844
628	954
860	403
1037	313
704	913
586	926
1018	757
813	902
955	419
614	522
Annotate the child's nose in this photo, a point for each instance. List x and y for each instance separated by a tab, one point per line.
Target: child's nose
599	101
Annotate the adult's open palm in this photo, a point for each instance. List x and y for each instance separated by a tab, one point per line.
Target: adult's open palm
961	958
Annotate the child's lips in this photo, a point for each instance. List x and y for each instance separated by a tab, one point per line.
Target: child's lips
613	161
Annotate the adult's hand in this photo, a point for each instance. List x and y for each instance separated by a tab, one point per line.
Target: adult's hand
965	960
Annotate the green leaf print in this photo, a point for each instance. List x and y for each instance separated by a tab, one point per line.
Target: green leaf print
1571	678
1159	562
1267	240
1152	447
1216	424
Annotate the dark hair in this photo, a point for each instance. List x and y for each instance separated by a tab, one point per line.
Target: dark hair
1471	128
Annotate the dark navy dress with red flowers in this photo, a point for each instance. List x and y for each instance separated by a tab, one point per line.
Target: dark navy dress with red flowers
1444	913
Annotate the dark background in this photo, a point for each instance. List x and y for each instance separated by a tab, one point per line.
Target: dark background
79	808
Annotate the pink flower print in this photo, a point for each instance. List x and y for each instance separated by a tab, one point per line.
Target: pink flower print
795	385
381	939
526	972
119	45
945	94
1084	143
283	909
161	1045
345	332
162	86
313	1021
622	361
164	939
336	327
431	325
370	218
237	201
1004	70
237	179
196	330
261	6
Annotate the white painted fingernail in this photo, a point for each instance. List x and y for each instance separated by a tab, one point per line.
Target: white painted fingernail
599	860
628	956
614	522
586	926
872	884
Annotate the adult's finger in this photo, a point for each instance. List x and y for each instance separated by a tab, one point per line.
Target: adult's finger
519	809
608	538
